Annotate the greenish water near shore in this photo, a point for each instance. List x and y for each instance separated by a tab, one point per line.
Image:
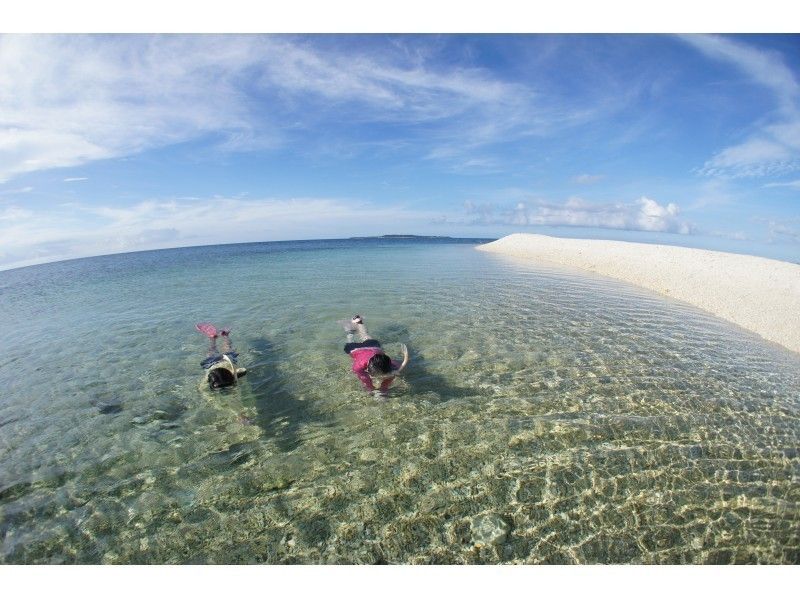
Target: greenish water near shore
545	417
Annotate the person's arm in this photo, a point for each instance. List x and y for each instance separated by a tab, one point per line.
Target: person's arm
399	367
385	385
366	381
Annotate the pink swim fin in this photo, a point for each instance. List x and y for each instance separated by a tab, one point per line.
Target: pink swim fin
208	329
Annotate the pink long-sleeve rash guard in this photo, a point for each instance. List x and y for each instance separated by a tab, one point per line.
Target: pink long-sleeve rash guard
361	359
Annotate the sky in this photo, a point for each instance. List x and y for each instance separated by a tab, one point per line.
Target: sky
117	143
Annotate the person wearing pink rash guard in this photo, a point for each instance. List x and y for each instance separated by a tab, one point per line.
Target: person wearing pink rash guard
369	360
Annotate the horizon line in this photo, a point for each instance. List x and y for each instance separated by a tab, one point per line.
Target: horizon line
389	237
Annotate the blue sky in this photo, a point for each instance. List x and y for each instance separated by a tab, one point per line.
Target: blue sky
122	143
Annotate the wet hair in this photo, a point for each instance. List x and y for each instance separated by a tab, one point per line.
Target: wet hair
379	364
220	377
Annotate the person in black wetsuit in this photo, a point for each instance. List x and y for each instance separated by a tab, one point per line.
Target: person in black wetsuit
221	368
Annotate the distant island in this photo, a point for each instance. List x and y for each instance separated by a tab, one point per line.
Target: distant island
403	237
400	237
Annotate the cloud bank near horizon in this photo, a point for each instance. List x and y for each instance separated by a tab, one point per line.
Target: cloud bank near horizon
70	230
644	214
79	230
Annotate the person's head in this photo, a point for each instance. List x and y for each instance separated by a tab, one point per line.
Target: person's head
379	365
219	378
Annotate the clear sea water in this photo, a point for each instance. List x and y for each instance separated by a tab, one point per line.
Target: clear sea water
547	415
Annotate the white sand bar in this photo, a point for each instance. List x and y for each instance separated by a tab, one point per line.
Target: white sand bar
759	294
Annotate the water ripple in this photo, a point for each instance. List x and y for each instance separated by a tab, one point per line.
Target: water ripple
546	417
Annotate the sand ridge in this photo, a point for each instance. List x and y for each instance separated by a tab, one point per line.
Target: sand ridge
759	294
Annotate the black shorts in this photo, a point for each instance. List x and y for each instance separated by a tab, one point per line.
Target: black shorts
368	343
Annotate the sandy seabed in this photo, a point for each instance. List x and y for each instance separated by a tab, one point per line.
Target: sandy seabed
759	294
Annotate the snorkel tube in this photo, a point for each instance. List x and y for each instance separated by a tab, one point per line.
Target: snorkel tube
230	366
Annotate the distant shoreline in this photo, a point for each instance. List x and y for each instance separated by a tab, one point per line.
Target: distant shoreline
759	294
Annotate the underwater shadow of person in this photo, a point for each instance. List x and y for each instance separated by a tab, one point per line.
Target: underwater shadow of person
417	375
279	413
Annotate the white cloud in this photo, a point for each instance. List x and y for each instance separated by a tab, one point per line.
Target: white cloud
756	157
775	147
75	230
68	100
644	214
75	179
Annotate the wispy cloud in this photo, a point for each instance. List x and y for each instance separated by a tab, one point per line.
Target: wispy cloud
735	235
644	214
711	193
68	100
448	108
784	231
792	184
15	191
75	179
408	90
77	230
774	148
15	214
588	179
757	157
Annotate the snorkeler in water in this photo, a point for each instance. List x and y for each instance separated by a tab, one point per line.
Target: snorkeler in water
220	368
369	360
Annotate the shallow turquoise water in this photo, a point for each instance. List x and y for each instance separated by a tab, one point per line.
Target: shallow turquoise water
547	416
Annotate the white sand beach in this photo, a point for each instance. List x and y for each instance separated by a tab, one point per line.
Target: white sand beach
759	294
